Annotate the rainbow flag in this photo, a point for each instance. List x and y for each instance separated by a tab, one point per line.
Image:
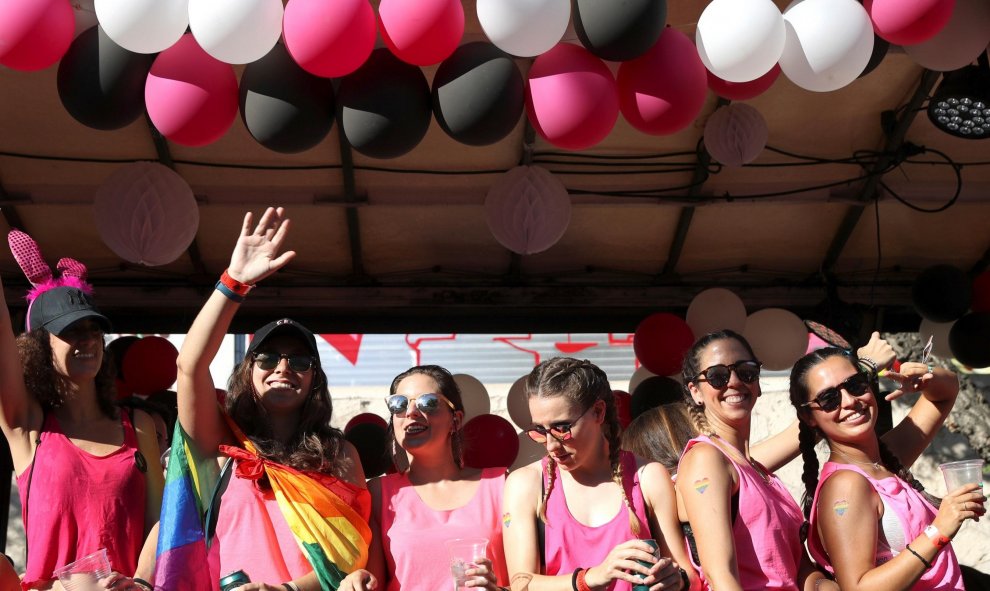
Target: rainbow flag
180	563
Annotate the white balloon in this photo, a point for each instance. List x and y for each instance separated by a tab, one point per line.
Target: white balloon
524	28
716	309
939	331
143	26
517	403
828	43
474	395
735	135
778	337
236	31
963	39
740	40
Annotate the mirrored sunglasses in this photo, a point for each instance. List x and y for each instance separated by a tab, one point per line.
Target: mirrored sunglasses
829	399
427	403
559	431
298	362
718	376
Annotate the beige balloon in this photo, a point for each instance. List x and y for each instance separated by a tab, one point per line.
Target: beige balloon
529	452
716	309
474	395
778	337
518	404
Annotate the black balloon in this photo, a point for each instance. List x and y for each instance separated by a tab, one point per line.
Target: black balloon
100	83
880	48
370	441
478	94
969	339
283	107
384	107
619	30
942	293
654	391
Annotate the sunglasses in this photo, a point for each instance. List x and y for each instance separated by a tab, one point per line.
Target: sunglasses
427	404
829	399
298	362
559	431
718	376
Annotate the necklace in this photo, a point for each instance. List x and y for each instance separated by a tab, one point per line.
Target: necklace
874	465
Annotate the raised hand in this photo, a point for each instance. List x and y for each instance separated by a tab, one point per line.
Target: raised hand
914	376
258	252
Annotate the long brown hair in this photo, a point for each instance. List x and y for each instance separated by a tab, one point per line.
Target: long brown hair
660	434
451	391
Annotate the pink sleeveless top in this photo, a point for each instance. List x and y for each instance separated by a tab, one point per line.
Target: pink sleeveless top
80	503
413	534
252	534
913	513
766	532
569	544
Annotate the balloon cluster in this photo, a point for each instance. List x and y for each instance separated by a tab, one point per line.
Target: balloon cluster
955	312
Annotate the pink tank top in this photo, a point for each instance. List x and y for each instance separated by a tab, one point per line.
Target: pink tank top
413	534
569	544
80	503
766	532
913	513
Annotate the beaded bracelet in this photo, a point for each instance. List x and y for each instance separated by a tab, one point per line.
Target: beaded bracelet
927	564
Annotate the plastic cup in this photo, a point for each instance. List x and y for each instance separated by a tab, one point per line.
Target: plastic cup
83	574
464	553
646	564
961	473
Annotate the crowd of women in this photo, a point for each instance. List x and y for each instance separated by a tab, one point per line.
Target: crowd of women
681	501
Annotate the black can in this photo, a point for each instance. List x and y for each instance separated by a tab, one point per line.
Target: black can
234	580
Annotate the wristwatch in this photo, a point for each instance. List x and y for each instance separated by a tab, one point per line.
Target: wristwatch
936	536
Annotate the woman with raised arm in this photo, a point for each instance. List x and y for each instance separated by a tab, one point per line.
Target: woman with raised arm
86	470
578	518
434	498
871	523
288	464
745	526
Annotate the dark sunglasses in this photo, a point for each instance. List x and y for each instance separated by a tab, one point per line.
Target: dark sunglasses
298	362
559	431
718	376
829	399
427	403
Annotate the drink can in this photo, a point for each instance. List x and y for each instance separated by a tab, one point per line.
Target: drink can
234	580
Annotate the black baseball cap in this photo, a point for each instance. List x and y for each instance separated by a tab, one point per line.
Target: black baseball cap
285	326
58	308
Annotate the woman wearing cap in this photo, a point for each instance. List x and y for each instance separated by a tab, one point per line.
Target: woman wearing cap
85	470
435	498
288	463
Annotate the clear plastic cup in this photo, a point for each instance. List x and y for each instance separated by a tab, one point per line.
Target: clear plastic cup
464	553
961	473
83	574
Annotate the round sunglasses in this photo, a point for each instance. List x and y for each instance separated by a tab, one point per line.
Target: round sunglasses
559	431
829	399
427	403
718	376
298	362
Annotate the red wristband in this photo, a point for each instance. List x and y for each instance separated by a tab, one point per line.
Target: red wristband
936	537
234	285
582	585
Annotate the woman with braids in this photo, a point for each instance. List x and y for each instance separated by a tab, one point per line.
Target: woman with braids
576	519
434	497
871	524
745	525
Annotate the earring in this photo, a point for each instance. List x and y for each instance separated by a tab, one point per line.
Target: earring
699	403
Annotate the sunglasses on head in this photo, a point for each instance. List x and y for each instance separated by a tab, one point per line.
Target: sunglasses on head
427	403
298	362
718	376
559	431
829	399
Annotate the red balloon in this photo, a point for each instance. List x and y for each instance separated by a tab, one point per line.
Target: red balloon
571	98
365	418
35	34
663	91
908	22
329	39
742	91
191	96
660	342
149	365
623	407
421	32
981	293
490	442
123	390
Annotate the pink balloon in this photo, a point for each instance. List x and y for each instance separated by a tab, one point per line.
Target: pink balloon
329	39
191	96
35	34
743	91
907	22
571	98
421	32
664	90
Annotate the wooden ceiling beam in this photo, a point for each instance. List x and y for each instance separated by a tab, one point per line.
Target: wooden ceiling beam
9	211
358	271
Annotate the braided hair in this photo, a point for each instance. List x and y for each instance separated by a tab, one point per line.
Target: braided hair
692	367
582	383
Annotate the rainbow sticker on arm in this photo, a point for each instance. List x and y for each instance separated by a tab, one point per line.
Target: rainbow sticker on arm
701	485
840	507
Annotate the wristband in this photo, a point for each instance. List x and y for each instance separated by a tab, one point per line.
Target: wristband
234	285
927	564
686	582
936	537
869	364
574	577
582	585
290	586
143	583
229	293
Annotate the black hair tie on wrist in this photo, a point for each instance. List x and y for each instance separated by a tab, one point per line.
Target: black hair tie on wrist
574	578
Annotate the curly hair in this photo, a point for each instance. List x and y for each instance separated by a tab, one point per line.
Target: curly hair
583	384
450	390
692	367
315	446
50	387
